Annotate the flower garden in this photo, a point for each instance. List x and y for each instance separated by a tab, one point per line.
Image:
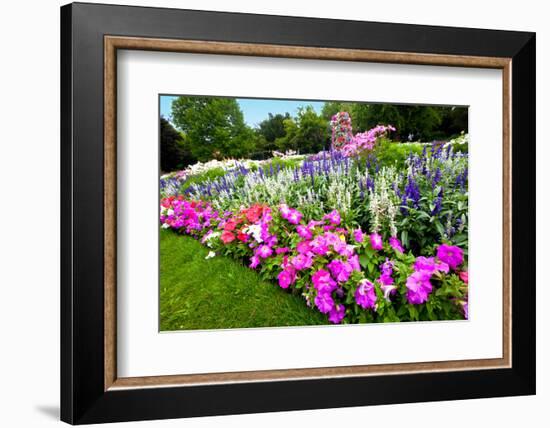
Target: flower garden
355	234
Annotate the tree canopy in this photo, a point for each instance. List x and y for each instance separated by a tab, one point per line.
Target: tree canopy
214	128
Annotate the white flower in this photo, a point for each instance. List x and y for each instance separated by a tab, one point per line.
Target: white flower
165	225
210	255
255	230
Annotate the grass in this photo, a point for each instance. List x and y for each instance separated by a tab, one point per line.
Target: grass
220	292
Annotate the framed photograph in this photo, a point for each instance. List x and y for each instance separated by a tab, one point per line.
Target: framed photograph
266	213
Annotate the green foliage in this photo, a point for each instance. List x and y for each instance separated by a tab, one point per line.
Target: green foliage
220	292
421	123
214	128
307	133
174	152
270	129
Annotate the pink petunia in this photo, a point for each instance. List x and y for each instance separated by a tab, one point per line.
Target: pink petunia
324	302
337	314
358	235
340	270
395	243
304	231
333	217
302	261
450	254
419	287
286	278
365	295
264	251
323	282
294	216
376	241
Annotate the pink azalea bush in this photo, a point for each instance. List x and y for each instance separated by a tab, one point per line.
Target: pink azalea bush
339	270
352	145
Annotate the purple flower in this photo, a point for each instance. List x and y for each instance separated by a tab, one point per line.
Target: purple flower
333	217
365	295
358	235
419	287
376	241
337	314
302	261
340	270
323	282
387	267
395	243
282	250
304	231
324	302
264	251
450	254
286	278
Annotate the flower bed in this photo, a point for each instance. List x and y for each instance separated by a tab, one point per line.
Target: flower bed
360	240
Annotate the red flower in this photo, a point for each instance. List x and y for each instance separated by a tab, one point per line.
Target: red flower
243	237
227	237
463	276
253	213
230	225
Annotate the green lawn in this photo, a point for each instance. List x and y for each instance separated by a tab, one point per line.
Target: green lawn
220	292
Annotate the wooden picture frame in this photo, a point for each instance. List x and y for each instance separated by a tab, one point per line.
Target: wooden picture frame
91	390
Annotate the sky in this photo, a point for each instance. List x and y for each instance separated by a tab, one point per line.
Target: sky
254	110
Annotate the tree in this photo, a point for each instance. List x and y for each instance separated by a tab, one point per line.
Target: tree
214	128
173	152
307	133
425	123
273	127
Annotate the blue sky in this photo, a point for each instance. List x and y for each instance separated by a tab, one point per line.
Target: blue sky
254	110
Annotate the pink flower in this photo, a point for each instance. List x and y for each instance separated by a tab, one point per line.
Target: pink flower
419	287
450	254
254	262
323	282
282	250
294	216
395	243
463	275
376	241
284	210
286	278
337	314
304	232
359	235
429	265
340	270
302	261
354	262
333	217
319	246
424	264
324	302
303	247
365	295
227	237
264	251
